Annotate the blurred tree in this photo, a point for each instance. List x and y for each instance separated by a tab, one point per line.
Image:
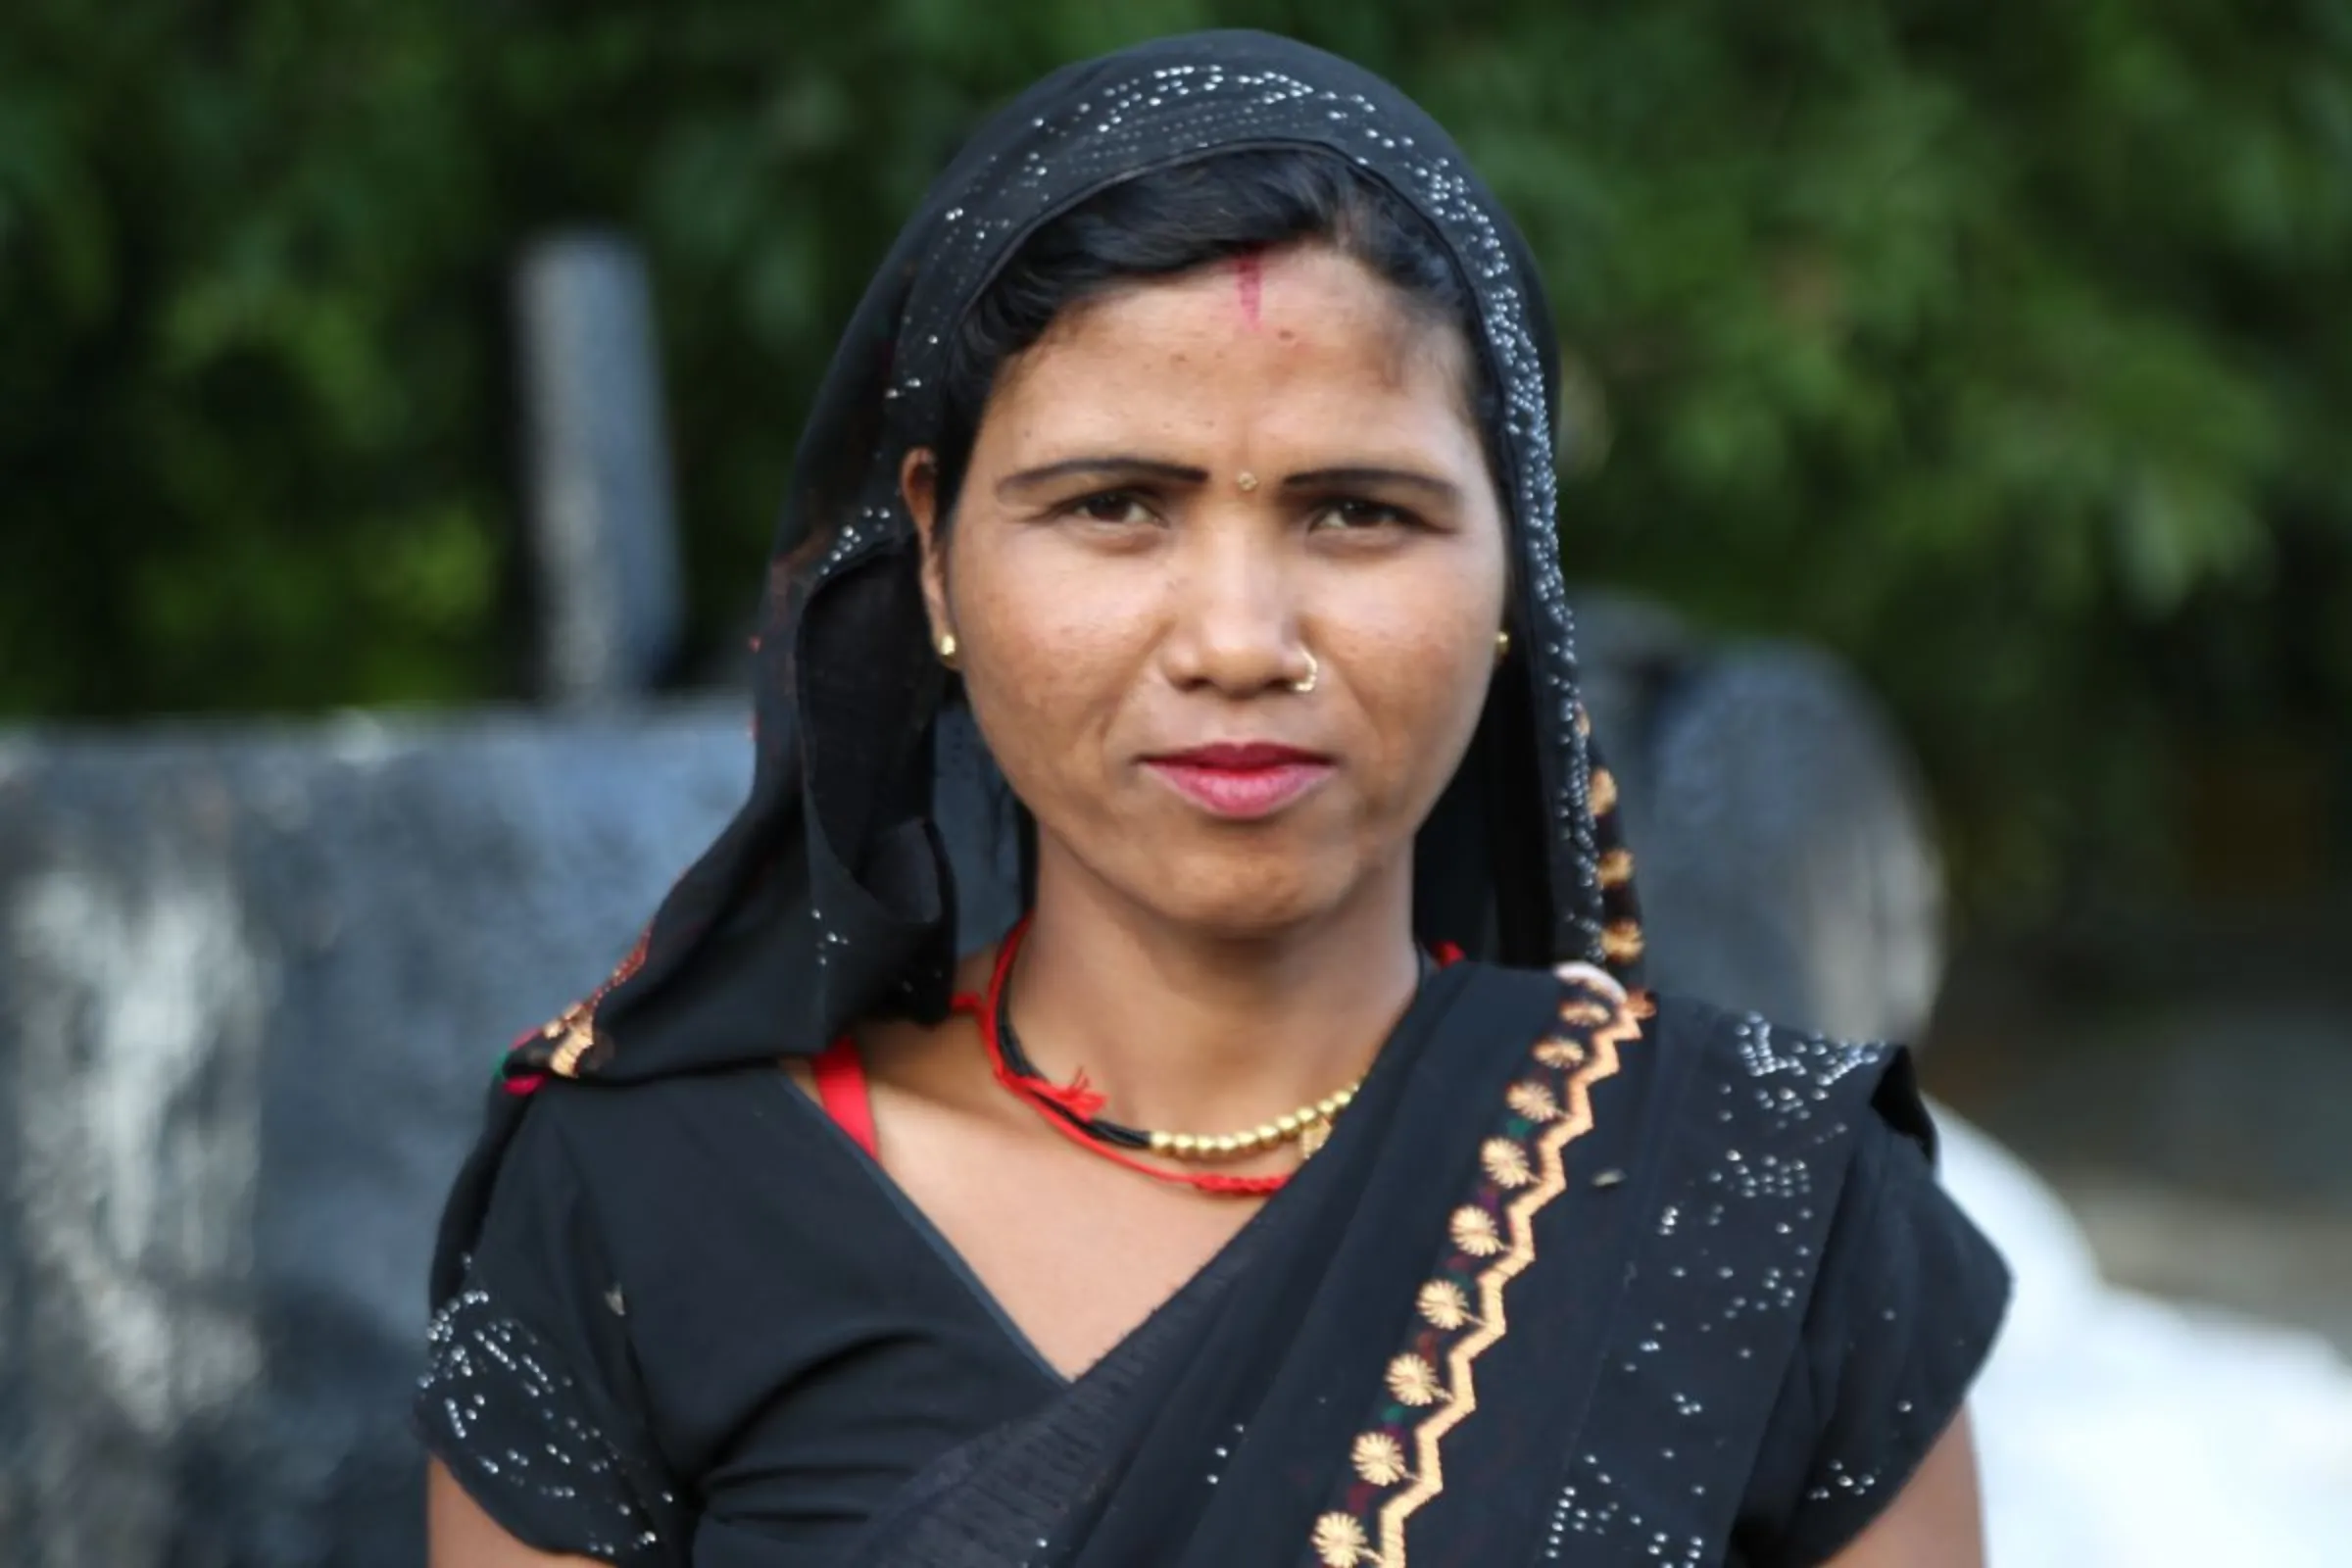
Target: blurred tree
1996	346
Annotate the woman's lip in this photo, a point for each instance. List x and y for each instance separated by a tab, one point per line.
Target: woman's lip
1241	755
1242	794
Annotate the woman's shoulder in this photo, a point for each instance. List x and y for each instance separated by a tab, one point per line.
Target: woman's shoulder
1822	1298
1739	1070
1773	1083
586	1119
650	1167
1728	1109
1700	1079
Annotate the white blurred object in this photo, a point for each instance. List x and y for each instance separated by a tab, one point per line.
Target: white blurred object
2117	1431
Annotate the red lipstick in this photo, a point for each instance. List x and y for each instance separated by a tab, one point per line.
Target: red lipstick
1242	780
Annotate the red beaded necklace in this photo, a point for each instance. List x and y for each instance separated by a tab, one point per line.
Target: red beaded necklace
1073	1110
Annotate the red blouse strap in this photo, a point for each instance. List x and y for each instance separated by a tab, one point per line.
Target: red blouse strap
841	1090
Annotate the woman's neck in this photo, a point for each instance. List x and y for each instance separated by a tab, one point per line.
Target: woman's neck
1192	1032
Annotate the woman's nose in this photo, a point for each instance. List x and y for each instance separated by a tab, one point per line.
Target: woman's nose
1234	625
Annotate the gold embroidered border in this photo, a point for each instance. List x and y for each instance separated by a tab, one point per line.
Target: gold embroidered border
1574	1119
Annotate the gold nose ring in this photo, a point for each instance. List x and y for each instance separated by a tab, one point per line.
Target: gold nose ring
1314	673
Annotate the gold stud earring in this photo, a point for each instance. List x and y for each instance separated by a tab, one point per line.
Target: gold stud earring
1502	646
946	649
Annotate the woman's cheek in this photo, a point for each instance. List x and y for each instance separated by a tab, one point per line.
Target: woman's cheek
1066	609
1423	656
1424	693
1047	695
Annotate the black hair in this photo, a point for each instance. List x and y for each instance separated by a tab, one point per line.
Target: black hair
1173	220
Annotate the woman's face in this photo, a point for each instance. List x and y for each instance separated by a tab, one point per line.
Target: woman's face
1188	496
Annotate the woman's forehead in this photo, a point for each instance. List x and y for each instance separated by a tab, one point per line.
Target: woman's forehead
1277	290
1299	322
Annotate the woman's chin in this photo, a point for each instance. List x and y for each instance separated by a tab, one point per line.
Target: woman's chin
1251	901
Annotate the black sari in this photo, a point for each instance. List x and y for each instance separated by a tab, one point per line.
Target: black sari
1581	1275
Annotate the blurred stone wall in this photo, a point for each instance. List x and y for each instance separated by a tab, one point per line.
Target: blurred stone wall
250	988
253	981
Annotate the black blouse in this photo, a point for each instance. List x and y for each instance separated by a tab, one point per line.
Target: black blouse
701	1326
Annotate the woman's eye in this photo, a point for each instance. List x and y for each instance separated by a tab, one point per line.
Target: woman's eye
1357	517
1111	507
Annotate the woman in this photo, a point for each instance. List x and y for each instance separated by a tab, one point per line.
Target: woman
1149	1178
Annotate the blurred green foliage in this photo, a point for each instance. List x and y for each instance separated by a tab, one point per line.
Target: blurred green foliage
2002	348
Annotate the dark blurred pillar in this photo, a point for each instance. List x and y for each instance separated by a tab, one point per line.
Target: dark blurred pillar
602	530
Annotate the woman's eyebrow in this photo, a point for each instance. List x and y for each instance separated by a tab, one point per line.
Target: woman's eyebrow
1116	465
1372	476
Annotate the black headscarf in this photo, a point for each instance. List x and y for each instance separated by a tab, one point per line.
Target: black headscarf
879	841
